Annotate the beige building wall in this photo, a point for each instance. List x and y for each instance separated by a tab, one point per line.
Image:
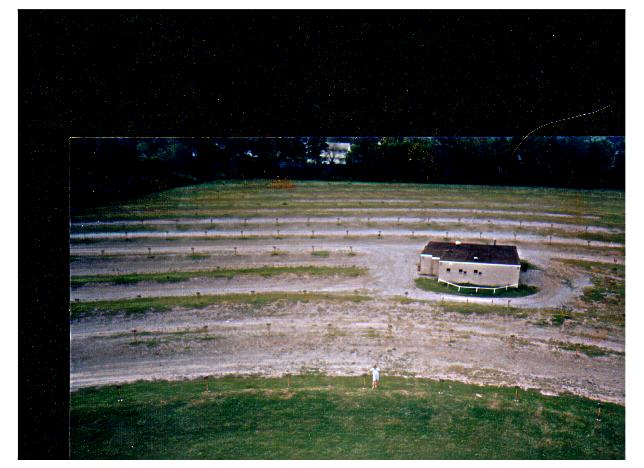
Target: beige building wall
429	265
486	274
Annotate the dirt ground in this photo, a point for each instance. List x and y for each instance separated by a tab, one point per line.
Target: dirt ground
404	338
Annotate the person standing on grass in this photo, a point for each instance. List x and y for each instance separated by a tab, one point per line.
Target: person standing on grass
375	372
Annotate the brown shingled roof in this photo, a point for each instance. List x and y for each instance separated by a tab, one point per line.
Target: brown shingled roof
477	253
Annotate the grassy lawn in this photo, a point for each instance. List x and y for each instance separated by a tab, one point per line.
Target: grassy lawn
164	304
249	198
176	276
431	284
322	417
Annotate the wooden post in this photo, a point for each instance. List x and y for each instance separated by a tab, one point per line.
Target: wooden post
337	220
235	249
102	251
268	329
289	381
312	234
149	251
193	250
516	393
206	381
379	234
277	221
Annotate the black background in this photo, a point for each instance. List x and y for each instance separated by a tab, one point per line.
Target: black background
269	73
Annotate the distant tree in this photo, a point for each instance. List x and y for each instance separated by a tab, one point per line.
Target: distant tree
363	158
313	148
109	169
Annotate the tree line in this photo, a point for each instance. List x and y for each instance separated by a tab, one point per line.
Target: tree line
103	170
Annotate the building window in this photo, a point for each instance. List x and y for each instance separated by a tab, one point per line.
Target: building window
476	271
448	270
465	272
460	270
480	272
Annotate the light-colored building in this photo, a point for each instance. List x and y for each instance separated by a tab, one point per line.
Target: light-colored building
336	153
476	264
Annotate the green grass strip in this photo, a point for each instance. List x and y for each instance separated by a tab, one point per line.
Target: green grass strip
163	304
176	276
588	350
322	417
482	309
432	285
618	269
321	253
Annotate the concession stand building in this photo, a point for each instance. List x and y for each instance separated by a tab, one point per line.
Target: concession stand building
473	264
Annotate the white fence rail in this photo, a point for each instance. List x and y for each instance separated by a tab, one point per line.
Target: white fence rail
494	289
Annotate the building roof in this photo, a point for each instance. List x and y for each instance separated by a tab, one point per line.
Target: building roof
476	253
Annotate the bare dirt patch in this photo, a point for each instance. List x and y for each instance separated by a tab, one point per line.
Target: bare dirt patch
342	339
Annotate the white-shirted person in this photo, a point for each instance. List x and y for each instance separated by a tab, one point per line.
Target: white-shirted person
375	372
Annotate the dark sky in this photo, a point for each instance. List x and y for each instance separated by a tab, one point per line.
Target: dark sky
328	73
